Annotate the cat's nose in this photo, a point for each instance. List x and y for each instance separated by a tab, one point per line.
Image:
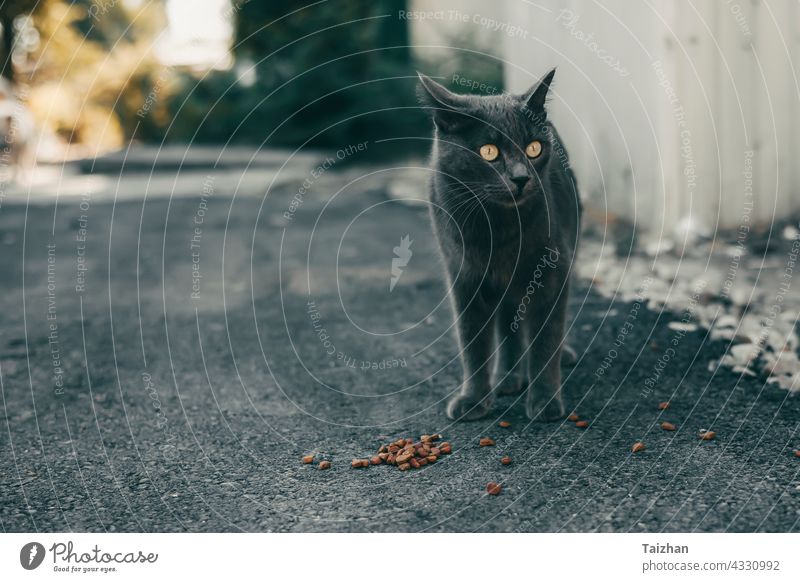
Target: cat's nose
520	180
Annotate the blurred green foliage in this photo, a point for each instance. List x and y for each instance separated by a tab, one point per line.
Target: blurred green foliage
327	74
320	73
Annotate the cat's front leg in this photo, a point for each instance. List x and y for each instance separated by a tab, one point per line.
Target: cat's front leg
511	371
475	337
544	401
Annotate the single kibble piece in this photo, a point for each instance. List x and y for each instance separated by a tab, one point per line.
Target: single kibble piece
414	463
797	453
663	405
308	459
638	447
667	425
486	442
573	417
582	424
357	464
708	435
506	460
434	458
422	462
376	460
324	465
494	488
404	466
503	424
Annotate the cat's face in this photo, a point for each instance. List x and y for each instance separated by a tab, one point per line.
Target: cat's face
496	148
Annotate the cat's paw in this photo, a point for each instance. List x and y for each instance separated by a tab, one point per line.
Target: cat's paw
569	357
544	408
468	406
511	384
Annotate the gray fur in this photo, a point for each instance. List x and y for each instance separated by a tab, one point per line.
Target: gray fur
508	248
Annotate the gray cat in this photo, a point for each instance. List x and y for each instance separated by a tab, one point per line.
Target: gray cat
506	213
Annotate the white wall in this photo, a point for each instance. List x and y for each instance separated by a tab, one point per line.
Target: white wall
660	102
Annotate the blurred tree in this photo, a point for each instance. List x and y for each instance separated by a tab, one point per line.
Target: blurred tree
81	89
324	69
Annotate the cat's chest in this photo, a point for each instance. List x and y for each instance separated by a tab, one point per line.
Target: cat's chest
498	267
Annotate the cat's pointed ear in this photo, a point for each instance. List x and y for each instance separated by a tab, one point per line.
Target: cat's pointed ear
450	110
536	96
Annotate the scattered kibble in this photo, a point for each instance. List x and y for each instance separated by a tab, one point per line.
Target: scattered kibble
667	425
324	465
503	424
506	460
494	488
708	435
486	442
573	417
638	447
406	454
663	405
582	424
308	459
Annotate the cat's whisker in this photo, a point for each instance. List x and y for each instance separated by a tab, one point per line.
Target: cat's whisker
462	202
467	210
470	199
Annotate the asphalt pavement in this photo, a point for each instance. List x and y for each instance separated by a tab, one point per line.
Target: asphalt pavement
166	361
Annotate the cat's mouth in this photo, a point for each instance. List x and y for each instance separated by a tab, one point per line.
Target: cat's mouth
512	197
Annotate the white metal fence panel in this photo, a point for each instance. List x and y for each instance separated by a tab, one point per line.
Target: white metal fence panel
673	111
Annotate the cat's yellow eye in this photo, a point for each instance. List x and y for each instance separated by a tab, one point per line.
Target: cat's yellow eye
489	152
534	149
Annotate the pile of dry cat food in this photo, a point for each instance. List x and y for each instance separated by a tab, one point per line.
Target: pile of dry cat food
406	454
